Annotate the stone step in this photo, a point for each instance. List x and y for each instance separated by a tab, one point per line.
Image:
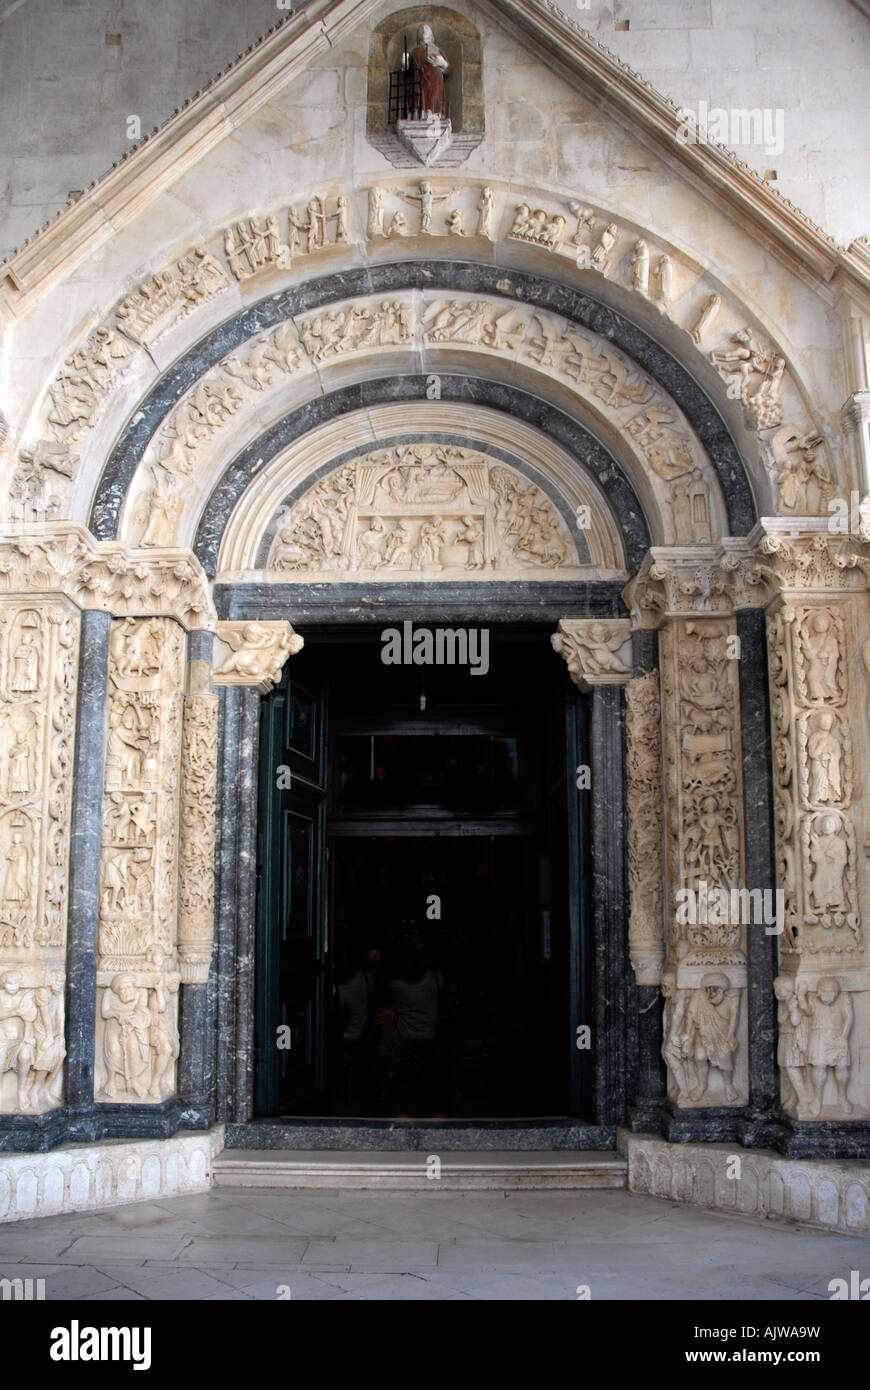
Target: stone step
467	1171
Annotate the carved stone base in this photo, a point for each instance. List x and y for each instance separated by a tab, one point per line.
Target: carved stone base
427	140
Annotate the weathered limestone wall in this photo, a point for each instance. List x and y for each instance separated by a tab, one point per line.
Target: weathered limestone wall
72	74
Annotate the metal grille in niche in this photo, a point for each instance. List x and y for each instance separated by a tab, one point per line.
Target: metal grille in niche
405	101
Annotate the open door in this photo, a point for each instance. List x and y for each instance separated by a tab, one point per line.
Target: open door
291	903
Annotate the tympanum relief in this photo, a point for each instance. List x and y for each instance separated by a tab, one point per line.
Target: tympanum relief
38	665
415	511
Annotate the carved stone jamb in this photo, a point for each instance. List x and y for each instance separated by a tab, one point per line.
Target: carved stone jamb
817	619
597	652
137	1038
855	420
689	593
253	653
644	804
198	795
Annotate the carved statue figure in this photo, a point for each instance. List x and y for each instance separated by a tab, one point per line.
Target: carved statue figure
17	1046
433	68
820	652
712	304
791	1048
486	209
640	267
427	200
709	1036
46	1065
375	225
20	760
25	662
829	854
830	1021
16	878
126	1040
825	751
673	1014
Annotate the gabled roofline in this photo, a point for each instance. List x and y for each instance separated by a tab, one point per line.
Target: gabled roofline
286	50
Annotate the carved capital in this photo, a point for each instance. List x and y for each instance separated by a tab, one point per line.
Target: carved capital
65	559
705	581
253	653
597	652
815	558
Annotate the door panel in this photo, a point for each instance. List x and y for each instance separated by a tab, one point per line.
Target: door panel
291	936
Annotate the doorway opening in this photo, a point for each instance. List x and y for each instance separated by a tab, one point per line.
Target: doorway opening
422	906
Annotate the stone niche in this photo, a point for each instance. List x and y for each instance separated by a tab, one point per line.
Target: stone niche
445	144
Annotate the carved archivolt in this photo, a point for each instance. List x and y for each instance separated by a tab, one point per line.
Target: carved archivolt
137	976
419	510
644	806
670	458
38	666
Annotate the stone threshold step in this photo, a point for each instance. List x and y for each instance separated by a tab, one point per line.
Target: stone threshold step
467	1171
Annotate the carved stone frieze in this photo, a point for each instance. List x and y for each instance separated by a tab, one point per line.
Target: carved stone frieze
423	509
80	389
38	667
644	806
596	652
137	977
255	244
253	653
166	298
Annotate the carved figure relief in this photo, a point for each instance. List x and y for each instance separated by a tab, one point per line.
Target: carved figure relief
422	509
39	487
169	296
754	376
196	865
254	245
801	472
310	231
78	392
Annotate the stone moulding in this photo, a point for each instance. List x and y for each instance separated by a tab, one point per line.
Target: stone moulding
833	1196
90	1177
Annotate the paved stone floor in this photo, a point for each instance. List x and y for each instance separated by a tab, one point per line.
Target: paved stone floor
244	1244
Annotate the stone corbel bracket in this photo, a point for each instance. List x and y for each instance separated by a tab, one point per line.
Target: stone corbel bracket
253	653
597	652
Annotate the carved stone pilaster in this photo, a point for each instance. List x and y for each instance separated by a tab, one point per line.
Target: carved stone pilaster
704	984
817	626
596	652
253	653
137	997
38	663
644	803
196	878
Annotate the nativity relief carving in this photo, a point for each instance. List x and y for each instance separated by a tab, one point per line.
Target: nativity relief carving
420	510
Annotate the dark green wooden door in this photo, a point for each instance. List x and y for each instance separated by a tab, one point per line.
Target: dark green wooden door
291	927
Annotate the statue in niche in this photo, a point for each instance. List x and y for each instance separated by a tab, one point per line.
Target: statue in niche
825	752
20	761
126	1040
25	661
820	652
433	68
793	1028
16	881
829	854
709	1036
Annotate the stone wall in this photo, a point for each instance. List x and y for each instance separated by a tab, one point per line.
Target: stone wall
71	74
